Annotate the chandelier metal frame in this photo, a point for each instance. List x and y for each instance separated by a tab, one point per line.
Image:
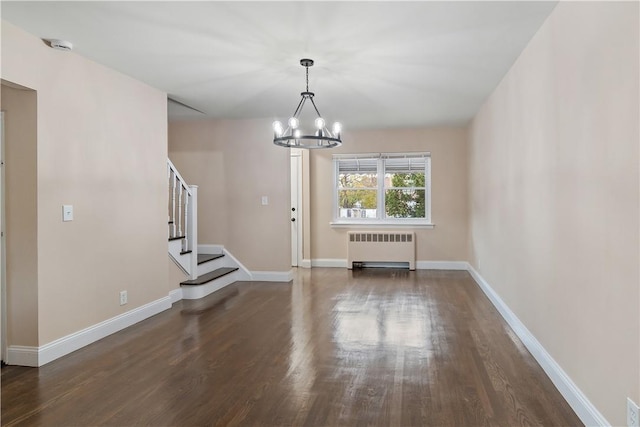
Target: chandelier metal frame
292	136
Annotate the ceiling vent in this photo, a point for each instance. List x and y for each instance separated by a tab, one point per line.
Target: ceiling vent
61	45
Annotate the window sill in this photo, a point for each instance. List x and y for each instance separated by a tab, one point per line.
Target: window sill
379	224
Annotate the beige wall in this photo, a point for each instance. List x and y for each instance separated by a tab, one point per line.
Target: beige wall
20	109
448	147
554	196
234	163
102	147
196	149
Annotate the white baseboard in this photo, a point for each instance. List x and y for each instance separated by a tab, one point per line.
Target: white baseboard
175	295
22	355
580	404
420	265
306	263
328	262
441	265
38	356
272	276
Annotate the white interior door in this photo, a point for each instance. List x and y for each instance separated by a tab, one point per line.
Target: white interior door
296	197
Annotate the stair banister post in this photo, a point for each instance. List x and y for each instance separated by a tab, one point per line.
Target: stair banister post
169	216
192	230
186	244
173	203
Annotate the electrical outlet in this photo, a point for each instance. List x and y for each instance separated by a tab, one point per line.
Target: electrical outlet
633	414
123	297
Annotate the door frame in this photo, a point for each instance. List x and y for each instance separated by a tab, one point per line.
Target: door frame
3	248
296	207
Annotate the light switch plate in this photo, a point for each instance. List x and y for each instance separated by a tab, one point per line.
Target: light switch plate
265	200
67	213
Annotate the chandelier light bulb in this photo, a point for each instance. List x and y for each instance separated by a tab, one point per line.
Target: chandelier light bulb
319	123
277	128
337	127
297	133
293	123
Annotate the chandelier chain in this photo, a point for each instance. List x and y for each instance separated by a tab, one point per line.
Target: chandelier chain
307	68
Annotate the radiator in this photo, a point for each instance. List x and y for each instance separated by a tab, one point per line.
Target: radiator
375	246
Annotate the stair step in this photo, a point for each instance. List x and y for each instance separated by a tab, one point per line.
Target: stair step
202	258
205	278
185	252
176	238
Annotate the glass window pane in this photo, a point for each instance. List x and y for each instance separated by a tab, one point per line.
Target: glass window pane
357	203
404	203
357	180
404	180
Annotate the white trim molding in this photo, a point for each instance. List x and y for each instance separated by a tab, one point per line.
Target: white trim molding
22	355
272	276
175	295
38	356
420	265
328	262
379	224
244	273
441	265
305	263
581	405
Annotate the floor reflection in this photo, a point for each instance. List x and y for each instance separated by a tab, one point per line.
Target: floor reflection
301	373
380	319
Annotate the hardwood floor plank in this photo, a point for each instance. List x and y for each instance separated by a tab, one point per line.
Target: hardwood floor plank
335	347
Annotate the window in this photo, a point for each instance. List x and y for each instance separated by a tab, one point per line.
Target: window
388	188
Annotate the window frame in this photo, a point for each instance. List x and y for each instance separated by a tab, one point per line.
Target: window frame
382	220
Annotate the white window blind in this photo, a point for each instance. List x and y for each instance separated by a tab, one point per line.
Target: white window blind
404	164
357	165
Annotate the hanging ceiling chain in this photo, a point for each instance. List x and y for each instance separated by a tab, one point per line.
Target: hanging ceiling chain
307	68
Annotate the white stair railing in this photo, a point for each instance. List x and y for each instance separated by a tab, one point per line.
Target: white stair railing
183	218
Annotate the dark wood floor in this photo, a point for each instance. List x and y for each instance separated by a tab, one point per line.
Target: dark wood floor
371	347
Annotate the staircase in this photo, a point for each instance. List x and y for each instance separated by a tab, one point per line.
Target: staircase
213	274
204	272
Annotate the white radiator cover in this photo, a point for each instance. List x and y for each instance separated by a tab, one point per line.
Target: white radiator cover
381	246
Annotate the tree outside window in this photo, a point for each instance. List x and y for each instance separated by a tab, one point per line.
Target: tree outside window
405	197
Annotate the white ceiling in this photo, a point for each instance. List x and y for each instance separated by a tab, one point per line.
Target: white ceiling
378	64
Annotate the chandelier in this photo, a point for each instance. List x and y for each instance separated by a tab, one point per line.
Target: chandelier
294	137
